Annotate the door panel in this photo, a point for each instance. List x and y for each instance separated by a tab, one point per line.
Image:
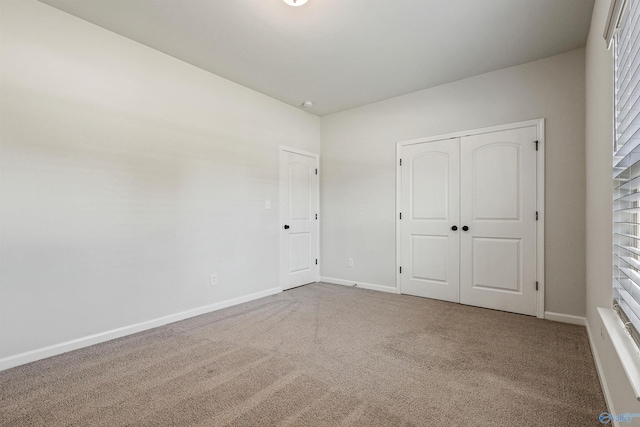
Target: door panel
298	209
495	181
498	204
299	252
430	206
430	186
489	252
434	249
300	190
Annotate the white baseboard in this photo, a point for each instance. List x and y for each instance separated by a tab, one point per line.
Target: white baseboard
53	350
601	377
565	318
353	283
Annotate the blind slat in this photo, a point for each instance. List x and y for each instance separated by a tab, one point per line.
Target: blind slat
629	185
632	262
626	211
629	249
630	236
633	197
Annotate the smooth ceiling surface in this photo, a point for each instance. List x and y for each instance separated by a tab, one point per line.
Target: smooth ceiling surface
344	53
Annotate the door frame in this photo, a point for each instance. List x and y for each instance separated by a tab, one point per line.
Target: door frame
281	219
539	124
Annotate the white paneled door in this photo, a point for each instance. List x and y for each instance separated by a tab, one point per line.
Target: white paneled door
498	205
298	218
430	208
469	220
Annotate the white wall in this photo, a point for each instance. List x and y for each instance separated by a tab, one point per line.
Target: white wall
127	177
599	132
358	183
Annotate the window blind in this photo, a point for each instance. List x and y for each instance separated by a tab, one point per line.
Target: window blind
613	21
626	168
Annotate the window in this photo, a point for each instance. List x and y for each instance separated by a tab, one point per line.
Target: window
625	35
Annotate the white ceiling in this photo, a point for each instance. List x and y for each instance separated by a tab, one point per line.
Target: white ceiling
345	53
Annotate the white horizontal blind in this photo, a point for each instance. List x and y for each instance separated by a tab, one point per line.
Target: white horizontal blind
626	169
616	11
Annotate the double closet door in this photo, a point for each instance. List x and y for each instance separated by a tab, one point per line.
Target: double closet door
468	220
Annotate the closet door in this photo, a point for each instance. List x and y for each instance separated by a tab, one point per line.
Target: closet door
298	213
430	208
498	205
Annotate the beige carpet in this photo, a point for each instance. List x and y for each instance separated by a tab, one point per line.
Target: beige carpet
320	355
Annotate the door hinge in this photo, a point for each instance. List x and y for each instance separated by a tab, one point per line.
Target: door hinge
400	215
400	162
537	142
316	216
536	216
316	171
400	270
536	286
316	261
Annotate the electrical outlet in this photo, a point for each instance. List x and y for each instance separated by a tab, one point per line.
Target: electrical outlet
214	279
350	263
267	204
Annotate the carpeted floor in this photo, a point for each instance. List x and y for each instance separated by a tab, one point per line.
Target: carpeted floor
320	355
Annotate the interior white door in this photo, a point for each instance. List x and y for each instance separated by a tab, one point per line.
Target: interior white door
298	213
430	212
498	205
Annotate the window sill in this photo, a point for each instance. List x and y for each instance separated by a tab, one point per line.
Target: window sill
625	347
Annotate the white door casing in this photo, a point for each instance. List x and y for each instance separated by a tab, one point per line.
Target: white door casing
299	209
500	196
430	207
